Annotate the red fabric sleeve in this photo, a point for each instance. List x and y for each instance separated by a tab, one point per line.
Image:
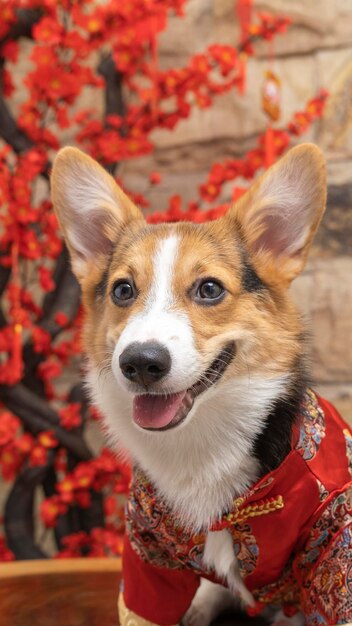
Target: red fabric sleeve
157	594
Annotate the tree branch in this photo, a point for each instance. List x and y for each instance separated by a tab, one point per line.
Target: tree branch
18	518
26	18
114	103
5	273
66	297
37	416
10	132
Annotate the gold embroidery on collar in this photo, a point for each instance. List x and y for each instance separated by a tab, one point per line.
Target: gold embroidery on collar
263	507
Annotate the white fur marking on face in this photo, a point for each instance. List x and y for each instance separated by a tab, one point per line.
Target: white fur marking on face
158	322
161	297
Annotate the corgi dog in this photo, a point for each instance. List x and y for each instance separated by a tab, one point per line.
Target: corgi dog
196	358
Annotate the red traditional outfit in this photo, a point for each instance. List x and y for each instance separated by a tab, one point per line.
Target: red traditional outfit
292	534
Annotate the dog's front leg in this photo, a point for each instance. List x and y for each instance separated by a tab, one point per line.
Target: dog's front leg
219	555
212	599
280	619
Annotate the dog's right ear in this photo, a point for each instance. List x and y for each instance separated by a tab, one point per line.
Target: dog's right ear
90	207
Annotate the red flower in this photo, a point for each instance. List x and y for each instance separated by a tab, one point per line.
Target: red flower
61	460
84	475
44	56
66	489
209	191
9	426
51	509
38	456
5	554
45	279
225	56
61	319
10	462
47	439
48	30
155	178
83	499
49	369
110	505
9	50
70	416
30	247
7	17
24	443
41	340
238	192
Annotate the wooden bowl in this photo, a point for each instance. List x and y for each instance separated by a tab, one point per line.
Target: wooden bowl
60	592
69	592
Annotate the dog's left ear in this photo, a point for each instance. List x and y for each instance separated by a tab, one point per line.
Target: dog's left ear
90	207
280	214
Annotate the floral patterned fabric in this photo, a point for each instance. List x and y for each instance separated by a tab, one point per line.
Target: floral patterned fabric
291	533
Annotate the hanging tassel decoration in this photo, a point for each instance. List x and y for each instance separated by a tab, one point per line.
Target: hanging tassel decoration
243	9
16	361
271	107
154	70
242	73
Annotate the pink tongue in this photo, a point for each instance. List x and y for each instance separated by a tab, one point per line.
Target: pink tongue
154	411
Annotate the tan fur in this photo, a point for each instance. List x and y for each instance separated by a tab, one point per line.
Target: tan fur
266	324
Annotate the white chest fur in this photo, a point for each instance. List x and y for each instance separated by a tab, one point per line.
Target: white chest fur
201	466
219	555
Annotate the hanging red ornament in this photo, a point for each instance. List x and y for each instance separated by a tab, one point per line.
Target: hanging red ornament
271	95
269	147
271	107
16	360
242	73
154	69
243	9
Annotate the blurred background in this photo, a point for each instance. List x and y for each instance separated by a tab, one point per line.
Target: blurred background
184	102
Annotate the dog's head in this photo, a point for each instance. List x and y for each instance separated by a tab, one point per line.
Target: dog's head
176	311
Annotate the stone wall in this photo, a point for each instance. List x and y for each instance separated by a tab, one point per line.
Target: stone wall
316	52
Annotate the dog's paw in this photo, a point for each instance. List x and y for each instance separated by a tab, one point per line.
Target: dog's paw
281	620
208	602
196	616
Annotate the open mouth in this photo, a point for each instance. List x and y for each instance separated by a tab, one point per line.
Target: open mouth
162	412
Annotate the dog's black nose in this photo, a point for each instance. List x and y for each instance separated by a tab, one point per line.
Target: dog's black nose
145	363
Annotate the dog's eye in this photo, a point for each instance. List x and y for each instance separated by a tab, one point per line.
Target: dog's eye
210	292
123	293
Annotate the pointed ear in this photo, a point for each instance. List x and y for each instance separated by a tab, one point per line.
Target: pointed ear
280	214
90	207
